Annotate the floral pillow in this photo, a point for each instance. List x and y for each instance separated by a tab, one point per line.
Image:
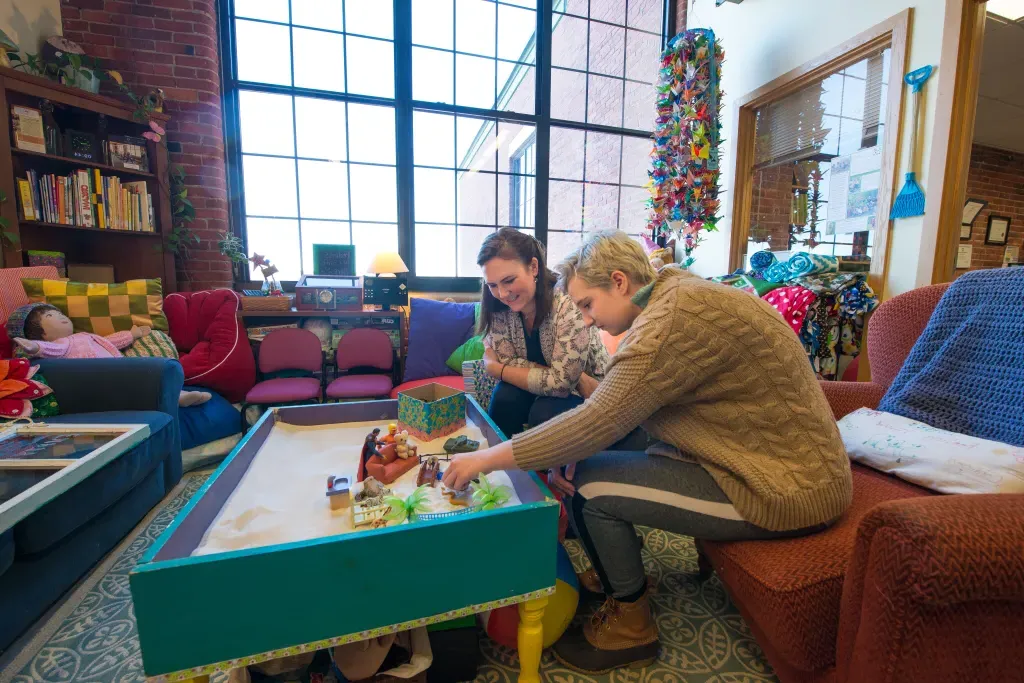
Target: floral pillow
24	392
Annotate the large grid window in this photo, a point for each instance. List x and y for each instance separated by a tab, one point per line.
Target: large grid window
424	125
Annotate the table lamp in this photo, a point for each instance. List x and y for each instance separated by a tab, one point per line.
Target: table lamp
389	288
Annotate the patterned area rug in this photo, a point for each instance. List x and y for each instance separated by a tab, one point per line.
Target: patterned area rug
91	638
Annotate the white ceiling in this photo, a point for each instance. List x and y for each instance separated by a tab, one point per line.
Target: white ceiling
1000	117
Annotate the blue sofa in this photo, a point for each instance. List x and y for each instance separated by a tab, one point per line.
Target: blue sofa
46	553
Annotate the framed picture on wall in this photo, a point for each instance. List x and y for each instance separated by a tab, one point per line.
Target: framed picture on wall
998	230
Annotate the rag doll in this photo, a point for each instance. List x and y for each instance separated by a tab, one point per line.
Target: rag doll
48	333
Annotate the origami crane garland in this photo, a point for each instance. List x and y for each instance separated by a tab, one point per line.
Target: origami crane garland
685	160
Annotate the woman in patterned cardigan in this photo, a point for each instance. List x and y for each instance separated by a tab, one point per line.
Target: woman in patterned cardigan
536	342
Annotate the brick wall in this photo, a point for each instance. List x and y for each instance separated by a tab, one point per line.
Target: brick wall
173	45
998	177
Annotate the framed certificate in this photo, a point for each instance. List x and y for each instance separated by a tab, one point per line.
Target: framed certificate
998	230
963	256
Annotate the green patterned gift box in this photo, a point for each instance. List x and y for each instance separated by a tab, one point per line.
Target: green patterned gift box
431	411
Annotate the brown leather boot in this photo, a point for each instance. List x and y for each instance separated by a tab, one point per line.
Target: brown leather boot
620	634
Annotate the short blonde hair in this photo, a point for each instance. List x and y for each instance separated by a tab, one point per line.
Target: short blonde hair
600	255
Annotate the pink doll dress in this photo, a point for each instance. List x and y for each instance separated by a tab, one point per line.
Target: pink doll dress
86	345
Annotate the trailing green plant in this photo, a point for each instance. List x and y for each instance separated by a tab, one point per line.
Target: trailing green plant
181	239
410	507
67	67
6	236
231	246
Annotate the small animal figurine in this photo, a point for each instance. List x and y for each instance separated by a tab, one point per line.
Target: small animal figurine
390	436
429	469
338	492
402	447
463	498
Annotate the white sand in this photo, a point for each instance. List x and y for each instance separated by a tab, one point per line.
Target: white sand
281	498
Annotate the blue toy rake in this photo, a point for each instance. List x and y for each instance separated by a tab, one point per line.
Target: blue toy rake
910	201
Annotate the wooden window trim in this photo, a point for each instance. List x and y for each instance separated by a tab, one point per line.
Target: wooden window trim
892	33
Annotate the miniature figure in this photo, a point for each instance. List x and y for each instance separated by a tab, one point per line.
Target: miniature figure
460	444
390	436
370	445
461	498
338	492
430	468
402	447
369	491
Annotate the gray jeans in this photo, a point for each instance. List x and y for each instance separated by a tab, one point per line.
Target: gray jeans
617	489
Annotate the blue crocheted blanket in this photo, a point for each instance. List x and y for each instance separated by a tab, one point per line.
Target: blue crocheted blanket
965	374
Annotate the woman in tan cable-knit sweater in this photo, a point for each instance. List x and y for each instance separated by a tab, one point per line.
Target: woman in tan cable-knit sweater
745	445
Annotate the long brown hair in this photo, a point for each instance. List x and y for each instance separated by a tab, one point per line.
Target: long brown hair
513	245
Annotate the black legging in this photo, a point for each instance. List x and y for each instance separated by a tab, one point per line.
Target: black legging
513	409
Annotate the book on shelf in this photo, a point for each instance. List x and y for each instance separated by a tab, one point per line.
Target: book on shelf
87	199
27	126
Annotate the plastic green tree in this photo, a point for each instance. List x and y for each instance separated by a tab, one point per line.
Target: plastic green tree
488	496
408	508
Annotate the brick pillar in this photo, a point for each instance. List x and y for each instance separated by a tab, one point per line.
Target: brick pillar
681	8
173	45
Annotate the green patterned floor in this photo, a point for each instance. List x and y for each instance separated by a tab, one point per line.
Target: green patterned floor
92	637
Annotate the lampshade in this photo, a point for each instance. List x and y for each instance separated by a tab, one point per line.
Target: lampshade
387	262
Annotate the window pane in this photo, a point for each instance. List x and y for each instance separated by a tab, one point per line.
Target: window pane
371	239
432	23
469	240
374	194
270	10
474	81
371	67
319	59
561	244
516	28
639	109
568	95
633	209
269	186
370	17
607	49
266	123
643	56
323	189
371	131
604	101
853	98
600	207
321	232
566	153
517	88
434	195
318	14
646	15
433	137
608	10
569	42
476	143
565	206
435	250
251	44
475	27
433	76
278	240
636	160
513	138
477	198
320	128
603	155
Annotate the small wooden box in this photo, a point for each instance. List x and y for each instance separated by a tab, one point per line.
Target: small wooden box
328	293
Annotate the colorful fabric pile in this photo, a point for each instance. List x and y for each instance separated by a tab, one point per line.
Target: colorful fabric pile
824	307
685	159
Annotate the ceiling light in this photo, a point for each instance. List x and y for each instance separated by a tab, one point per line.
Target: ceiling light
1008	9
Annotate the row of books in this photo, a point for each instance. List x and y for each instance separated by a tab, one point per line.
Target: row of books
87	199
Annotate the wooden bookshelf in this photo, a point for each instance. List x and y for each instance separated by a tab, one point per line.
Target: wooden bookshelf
99	116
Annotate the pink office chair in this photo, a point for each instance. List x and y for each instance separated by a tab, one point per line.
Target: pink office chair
363	347
293	351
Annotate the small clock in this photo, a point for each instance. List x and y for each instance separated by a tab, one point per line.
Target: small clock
326	298
79	145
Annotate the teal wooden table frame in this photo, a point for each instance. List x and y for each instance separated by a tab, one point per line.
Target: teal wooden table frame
201	614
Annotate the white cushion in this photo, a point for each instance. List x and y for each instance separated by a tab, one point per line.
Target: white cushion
942	461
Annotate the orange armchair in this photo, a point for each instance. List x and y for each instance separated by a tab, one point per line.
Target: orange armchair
908	586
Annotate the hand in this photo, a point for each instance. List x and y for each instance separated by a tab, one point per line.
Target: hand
31	347
563	484
587	385
489	354
463	469
140	332
493	368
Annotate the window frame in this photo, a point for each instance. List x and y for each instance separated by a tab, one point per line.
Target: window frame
404	105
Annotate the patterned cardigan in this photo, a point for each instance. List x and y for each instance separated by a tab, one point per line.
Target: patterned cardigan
570	348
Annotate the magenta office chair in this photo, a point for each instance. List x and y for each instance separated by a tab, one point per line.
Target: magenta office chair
363	347
286	353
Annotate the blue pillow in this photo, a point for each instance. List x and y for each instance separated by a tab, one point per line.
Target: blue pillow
207	422
436	328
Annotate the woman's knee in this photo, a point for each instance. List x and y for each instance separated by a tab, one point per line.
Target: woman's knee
507	396
547	407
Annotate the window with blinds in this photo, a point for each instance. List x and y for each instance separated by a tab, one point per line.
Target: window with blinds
796	139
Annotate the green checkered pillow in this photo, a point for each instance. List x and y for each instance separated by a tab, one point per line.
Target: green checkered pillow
100	308
156	344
